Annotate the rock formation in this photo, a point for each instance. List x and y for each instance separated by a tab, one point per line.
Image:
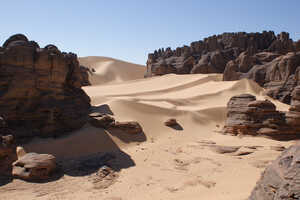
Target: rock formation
105	121
280	180
268	59
248	116
279	76
41	89
33	166
7	149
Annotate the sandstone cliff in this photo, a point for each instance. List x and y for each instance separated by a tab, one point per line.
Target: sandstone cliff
268	59
41	89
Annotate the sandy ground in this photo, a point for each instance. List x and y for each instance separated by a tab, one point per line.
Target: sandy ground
163	163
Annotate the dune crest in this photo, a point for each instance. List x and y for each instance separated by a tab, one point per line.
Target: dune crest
110	70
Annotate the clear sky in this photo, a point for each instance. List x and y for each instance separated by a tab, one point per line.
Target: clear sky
130	29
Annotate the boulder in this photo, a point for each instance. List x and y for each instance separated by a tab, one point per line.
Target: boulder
129	127
171	122
41	89
281	179
248	116
101	120
33	166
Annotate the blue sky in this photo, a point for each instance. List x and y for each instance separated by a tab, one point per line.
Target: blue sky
130	29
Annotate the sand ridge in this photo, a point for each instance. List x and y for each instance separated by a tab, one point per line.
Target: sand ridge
110	70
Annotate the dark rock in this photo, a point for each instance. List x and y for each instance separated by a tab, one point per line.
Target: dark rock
281	179
40	89
130	127
101	120
171	122
7	149
33	166
277	148
7	154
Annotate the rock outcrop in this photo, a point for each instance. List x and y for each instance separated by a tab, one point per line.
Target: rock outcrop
212	54
7	149
248	116
33	166
277	73
280	180
270	60
105	121
41	89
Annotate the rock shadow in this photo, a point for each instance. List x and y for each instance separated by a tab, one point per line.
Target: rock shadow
125	137
177	127
84	152
5	180
104	109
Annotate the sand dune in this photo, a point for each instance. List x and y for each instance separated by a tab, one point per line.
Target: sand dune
109	70
166	163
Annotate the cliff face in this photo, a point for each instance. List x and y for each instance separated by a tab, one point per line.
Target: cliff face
264	57
40	88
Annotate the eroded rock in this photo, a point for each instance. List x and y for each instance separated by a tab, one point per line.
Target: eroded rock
33	166
101	120
129	127
248	116
281	179
41	89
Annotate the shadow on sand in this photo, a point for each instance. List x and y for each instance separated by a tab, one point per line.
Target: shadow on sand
85	151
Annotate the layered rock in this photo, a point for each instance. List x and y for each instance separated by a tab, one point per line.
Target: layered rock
212	54
278	74
248	116
263	57
41	89
280	180
105	121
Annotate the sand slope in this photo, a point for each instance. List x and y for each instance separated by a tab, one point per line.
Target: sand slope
165	163
109	70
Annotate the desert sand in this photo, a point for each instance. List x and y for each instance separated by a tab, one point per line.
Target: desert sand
163	163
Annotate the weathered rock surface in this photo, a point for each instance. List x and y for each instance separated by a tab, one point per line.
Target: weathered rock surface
129	127
7	149
101	120
212	54
281	179
268	59
33	166
279	76
41	89
105	121
248	116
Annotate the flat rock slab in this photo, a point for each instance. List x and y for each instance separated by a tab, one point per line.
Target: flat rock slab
224	149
